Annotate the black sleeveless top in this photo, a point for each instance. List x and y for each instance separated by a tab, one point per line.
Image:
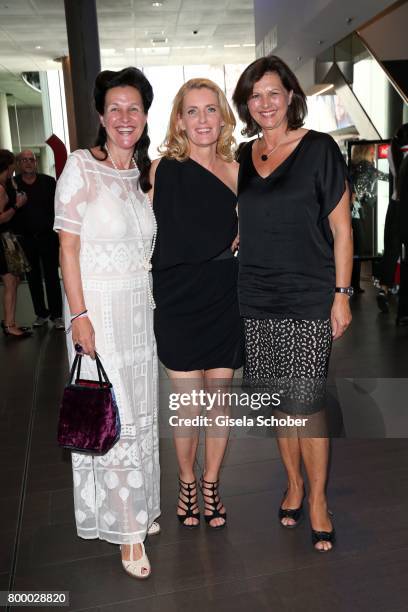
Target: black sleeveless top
195	213
286	245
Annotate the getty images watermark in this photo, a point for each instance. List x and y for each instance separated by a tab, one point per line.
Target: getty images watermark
220	402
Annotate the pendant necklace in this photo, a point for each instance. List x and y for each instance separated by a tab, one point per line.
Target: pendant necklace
266	156
147	257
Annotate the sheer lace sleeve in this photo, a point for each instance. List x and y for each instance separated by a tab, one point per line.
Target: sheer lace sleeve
71	196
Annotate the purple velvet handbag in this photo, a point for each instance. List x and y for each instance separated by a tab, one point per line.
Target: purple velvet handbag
89	417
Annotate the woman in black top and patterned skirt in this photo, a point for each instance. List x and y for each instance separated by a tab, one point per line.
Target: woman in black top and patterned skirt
295	269
197	323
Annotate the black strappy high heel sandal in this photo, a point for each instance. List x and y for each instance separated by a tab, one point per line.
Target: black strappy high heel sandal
214	504
191	509
324	536
293	513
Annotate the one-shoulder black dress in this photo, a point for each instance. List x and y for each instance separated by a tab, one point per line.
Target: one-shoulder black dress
196	321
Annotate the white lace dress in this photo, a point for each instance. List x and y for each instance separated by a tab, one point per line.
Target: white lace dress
117	495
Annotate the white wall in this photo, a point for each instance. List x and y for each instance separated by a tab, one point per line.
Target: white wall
30	127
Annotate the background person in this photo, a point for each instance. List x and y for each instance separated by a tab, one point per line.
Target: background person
402	313
13	262
107	231
34	224
364	179
295	249
197	324
392	228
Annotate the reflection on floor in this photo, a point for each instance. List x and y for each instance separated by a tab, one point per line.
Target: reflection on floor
253	564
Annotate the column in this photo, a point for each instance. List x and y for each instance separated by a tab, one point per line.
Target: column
69	100
85	64
5	132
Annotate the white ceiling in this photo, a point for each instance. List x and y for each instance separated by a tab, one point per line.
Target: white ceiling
33	34
306	28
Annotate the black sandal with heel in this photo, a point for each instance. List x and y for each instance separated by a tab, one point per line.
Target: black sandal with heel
214	505
191	509
324	536
295	514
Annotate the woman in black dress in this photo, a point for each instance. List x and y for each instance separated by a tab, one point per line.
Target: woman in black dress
197	324
295	269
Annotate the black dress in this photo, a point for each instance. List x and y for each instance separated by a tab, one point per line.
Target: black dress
197	322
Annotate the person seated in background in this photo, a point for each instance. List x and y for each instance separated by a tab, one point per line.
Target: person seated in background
34	225
13	262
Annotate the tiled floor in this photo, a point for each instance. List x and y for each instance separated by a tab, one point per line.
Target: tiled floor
253	564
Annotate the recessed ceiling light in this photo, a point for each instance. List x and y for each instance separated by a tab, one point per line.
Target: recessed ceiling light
38	47
157	4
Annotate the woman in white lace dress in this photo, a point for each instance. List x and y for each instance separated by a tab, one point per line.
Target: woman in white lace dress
107	233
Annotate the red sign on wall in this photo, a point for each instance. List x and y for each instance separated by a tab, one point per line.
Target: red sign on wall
382	151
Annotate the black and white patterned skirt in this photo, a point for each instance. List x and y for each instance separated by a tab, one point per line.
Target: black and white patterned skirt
289	357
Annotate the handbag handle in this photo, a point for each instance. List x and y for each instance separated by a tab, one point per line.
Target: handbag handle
76	366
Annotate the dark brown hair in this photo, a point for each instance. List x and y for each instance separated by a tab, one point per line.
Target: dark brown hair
7	158
297	110
134	78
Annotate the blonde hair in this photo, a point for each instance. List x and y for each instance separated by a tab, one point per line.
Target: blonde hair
176	144
361	153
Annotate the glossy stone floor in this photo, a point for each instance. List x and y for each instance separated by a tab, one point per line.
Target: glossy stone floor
253	564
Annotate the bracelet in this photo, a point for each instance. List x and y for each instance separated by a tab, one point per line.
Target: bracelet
79	314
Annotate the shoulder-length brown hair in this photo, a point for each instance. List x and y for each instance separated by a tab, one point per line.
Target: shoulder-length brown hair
297	109
176	144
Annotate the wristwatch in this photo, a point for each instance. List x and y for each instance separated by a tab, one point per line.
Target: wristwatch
347	290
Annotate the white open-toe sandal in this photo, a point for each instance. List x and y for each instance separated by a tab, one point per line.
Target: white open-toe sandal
139	568
154	529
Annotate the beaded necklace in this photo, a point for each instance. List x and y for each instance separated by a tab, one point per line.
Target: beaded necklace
147	257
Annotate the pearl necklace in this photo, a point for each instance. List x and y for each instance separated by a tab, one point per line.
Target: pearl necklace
147	257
